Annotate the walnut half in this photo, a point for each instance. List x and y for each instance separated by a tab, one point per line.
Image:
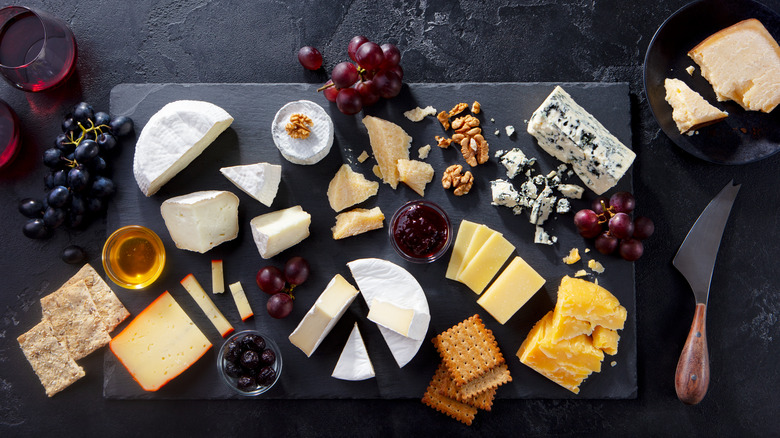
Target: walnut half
299	126
453	178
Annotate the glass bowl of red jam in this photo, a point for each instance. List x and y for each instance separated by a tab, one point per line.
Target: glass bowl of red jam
420	231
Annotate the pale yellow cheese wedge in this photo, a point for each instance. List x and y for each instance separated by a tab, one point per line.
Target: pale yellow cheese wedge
415	174
348	188
389	143
466	231
511	290
689	110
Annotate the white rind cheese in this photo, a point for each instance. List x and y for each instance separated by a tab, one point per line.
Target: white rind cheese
354	363
260	180
173	137
276	231
569	133
200	221
309	150
403	321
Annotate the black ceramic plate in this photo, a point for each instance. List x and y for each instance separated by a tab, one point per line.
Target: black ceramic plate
744	136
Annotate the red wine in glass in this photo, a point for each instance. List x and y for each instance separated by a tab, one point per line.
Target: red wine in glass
9	134
37	51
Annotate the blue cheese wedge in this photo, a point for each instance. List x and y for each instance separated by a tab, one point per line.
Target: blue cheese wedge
260	180
569	133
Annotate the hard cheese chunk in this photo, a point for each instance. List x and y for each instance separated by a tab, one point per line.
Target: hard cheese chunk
590	302
486	263
260	180
354	363
212	312
200	221
172	138
415	174
244	309
348	188
606	340
323	315
689	110
403	321
466	231
389	143
511	290
357	221
276	231
569	133
159	344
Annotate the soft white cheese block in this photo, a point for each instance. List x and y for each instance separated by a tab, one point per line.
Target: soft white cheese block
308	150
403	321
323	315
260	180
172	138
354	363
200	221
569	133
276	231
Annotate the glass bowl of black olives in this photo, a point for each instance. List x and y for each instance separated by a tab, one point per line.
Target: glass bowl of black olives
249	362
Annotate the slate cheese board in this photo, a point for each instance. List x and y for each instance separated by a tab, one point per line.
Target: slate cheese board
248	140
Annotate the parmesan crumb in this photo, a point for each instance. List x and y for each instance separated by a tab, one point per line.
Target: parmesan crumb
690	70
424	151
573	257
493	120
509	130
497	132
363	157
596	266
417	114
581	273
613	363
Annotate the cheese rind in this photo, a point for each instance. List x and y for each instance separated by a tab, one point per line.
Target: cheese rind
260	180
403	321
511	290
486	263
242	304
689	110
348	188
354	363
159	344
311	149
276	231
206	305
202	220
172	138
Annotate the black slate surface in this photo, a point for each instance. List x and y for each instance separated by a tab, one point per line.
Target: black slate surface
248	140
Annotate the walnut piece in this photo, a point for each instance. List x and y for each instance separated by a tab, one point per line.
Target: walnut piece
444	119
459	108
299	126
476	107
453	178
443	142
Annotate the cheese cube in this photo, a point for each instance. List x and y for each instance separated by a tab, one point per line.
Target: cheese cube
200	221
511	290
486	263
323	315
590	302
462	240
405	322
159	344
204	302
244	309
217	277
276	231
348	188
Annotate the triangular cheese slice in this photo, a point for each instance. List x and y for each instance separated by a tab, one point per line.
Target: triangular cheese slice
172	138
348	188
689	110
354	363
415	174
260	180
390	143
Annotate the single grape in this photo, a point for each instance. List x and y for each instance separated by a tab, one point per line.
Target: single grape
331	92
48	181
250	360
369	56
392	55
355	44
102	118
270	280
268	356
94	205
58	197
622	202
102	187
78	178
310	58
121	126
35	229
63	143
585	219
344	74
53	158
591	231
60	178
98	165
621	226
279	305
69	125
349	102
53	217
631	249
86	151
106	141
78	205
82	113
296	270
388	83
643	227
397	69
31	208
606	243
73	255
597	205
76	220
369	94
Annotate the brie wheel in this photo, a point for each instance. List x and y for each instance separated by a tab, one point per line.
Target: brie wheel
311	149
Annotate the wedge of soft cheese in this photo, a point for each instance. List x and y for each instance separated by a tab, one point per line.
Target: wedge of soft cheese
206	305
689	110
466	231
486	263
242	304
569	133
348	188
159	344
742	63
276	231
200	221
172	138
415	174
217	277
323	315
511	290
316	145
403	321
260	180
389	143
354	363
357	221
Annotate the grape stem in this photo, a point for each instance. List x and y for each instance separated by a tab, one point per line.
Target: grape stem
609	211
325	87
85	131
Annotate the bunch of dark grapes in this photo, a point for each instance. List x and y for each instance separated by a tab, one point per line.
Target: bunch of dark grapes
79	184
280	285
376	73
247	360
622	233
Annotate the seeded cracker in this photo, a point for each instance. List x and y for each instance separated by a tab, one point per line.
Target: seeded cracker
468	350
453	408
49	358
111	310
75	319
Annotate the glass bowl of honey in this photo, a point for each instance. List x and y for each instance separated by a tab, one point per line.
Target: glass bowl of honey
133	257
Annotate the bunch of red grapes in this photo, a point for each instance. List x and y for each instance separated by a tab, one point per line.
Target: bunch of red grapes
280	284
351	86
622	233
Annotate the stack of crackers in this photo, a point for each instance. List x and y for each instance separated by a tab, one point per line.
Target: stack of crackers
472	368
77	320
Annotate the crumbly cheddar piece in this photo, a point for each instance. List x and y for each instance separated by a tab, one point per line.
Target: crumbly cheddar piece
606	340
49	358
111	310
596	266
689	110
357	221
590	302
573	257
389	143
348	188
415	174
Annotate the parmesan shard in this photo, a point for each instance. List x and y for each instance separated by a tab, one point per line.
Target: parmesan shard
389	143
357	221
415	174
348	188
689	110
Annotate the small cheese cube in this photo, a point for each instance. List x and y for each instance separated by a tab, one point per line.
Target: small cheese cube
511	290
405	322
276	231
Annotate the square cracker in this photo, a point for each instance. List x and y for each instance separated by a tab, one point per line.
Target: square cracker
111	310
468	350
482	400
50	360
453	408
485	383
75	319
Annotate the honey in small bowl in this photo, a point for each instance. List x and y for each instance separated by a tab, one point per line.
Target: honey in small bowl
133	257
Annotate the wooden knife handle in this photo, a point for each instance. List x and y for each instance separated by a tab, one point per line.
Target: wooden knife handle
693	369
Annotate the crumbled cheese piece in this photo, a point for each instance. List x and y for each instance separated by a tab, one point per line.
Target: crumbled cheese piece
514	161
587	250
504	193
363	157
690	70
493	120
497	132
509	130
573	257
424	151
581	273
417	114
563	206
499	153
596	266
541	237
377	171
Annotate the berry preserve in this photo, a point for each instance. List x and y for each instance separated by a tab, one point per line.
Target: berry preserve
420	231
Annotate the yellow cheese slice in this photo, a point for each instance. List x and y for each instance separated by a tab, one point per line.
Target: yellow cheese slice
357	221
159	344
590	302
348	188
486	263
217	277
478	239
204	302
244	309
511	290
389	143
466	231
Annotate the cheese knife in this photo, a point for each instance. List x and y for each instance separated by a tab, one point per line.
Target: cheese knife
696	260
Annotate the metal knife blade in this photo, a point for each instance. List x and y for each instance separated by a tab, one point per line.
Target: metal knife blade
696	257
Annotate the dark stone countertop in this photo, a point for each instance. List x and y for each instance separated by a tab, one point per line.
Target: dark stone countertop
441	41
